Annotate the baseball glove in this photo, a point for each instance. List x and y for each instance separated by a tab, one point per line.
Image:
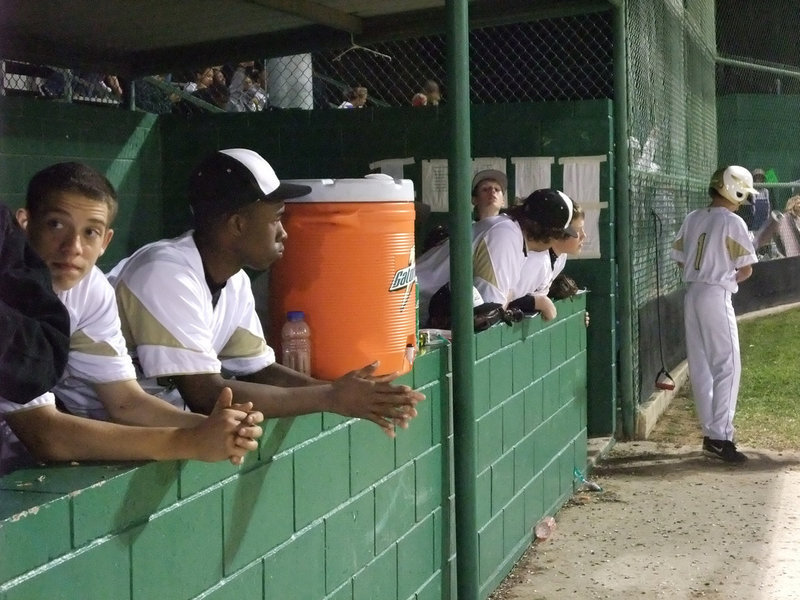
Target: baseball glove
563	286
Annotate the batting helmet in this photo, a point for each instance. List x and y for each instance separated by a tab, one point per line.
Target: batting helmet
733	183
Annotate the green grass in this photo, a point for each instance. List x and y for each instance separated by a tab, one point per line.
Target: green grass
768	411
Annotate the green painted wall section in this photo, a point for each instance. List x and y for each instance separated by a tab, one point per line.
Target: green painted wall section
531	397
125	146
761	130
329	508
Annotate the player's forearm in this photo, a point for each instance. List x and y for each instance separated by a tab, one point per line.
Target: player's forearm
743	273
275	401
56	436
155	412
546	306
200	394
128	404
281	376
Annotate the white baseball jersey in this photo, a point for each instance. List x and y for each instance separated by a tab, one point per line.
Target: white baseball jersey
170	321
13	453
97	350
558	266
712	243
538	273
498	256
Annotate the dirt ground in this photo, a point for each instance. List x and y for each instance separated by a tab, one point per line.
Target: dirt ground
670	523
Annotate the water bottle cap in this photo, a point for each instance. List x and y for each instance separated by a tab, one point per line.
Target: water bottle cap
295	315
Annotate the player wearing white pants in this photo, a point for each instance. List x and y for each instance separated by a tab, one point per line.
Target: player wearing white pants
712	349
715	252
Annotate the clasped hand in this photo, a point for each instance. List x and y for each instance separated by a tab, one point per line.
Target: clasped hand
364	395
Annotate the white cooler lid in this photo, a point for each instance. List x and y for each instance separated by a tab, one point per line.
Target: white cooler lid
375	187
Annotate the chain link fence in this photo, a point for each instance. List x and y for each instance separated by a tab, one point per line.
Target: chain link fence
672	143
762	40
25	79
567	58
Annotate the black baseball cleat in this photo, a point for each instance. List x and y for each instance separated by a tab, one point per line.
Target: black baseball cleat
723	449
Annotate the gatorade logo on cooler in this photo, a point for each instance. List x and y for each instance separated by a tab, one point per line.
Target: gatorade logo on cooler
405	278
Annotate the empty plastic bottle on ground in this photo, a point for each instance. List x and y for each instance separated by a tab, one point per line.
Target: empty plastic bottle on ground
296	342
545	528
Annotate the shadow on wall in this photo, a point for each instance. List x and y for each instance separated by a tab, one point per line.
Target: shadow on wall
773	283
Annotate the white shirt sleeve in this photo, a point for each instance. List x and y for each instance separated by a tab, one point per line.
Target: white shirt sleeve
162	310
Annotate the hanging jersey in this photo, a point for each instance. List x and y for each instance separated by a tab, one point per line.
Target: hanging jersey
712	244
173	326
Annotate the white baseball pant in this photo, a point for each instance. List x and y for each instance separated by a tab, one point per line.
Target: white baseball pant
712	348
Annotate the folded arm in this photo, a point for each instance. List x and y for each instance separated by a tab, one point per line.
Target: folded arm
50	435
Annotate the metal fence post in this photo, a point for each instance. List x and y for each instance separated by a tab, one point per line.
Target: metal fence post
623	220
464	426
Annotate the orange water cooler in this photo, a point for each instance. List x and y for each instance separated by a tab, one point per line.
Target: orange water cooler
348	265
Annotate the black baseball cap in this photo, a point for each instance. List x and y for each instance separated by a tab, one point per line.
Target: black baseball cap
228	180
551	209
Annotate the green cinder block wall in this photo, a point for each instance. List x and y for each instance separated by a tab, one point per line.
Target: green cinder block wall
531	406
334	510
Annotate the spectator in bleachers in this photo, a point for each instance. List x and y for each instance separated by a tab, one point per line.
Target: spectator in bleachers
788	239
202	79
209	87
419	99
354	98
432	92
218	76
247	94
87	85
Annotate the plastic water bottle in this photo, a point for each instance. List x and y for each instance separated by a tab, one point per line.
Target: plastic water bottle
544	528
296	342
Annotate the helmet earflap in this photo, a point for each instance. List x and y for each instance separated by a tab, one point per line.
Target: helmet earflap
733	183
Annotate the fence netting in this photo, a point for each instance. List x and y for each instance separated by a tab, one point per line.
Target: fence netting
672	140
566	58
